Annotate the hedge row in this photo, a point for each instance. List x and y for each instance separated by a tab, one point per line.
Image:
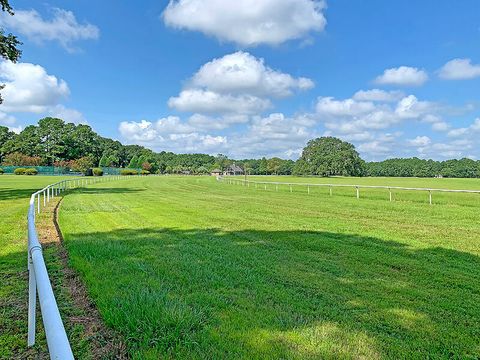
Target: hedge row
24	171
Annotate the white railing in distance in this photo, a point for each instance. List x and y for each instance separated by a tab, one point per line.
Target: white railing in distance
356	187
38	280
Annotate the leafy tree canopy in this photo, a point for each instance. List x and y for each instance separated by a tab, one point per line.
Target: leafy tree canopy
328	156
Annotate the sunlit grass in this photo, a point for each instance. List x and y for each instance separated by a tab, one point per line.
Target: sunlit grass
186	267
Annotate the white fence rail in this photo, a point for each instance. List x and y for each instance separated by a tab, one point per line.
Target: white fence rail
38	282
331	186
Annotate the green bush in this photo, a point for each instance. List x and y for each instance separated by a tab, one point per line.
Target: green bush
97	172
31	171
19	171
128	172
145	172
1	171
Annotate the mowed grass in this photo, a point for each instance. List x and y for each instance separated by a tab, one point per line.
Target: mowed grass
186	267
15	194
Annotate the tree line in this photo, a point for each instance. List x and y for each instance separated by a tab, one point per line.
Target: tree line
52	142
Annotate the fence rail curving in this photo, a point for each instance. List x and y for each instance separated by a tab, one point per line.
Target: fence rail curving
355	187
38	280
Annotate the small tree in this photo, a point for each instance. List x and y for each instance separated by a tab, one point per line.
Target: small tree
147	166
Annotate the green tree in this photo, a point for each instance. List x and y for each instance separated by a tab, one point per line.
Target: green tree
328	156
103	161
52	140
5	136
273	165
133	162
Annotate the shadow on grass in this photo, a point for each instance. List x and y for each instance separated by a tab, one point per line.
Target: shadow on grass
13	194
104	190
206	293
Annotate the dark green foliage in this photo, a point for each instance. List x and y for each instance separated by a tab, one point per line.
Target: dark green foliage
97	172
1	171
31	171
414	167
19	171
328	156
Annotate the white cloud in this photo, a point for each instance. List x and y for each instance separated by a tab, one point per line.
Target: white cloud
6	119
67	114
248	22
205	101
28	88
375	148
171	134
420	141
378	95
403	75
241	72
237	84
273	135
204	122
348	107
63	27
473	129
459	69
411	108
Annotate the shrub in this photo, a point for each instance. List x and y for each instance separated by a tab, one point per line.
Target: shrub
31	171
128	172
19	171
1	171
145	172
97	172
19	159
82	164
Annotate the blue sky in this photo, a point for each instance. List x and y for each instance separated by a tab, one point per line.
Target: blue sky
252	78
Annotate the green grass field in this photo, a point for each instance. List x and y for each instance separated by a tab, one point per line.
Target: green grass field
15	194
186	267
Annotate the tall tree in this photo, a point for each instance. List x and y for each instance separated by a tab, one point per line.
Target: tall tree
52	138
328	156
5	136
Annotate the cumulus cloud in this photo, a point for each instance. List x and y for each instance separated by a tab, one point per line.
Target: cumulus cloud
248	22
420	141
274	135
403	76
241	72
206	101
459	69
67	114
171	134
473	129
378	95
29	88
204	122
63	27
6	119
236	84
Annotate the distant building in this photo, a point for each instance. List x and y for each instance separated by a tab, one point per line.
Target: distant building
216	172
233	170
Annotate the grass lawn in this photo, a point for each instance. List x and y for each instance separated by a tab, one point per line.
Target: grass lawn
185	267
15	194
